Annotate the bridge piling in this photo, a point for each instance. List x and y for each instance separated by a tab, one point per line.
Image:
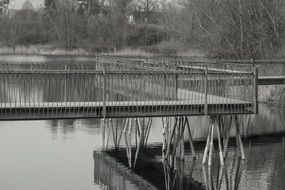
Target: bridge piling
135	131
238	138
173	138
222	126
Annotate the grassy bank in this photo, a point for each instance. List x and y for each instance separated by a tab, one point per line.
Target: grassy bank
273	95
55	50
165	48
41	50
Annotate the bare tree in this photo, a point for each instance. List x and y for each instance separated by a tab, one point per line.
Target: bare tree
4	6
147	6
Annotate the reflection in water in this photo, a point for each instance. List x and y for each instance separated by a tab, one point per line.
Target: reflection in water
270	120
263	169
177	177
109	174
68	127
226	176
63	126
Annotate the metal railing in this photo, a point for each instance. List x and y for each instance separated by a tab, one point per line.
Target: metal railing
125	88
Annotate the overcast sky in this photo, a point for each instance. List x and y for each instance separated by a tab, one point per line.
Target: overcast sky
17	4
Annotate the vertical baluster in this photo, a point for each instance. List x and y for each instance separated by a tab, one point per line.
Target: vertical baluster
33	90
78	103
2	90
206	91
255	91
14	85
73	89
104	92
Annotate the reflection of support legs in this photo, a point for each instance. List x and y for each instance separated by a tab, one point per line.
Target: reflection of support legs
222	126
108	129
174	176
117	135
207	156
167	177
225	125
138	129
205	176
173	138
103	127
238	174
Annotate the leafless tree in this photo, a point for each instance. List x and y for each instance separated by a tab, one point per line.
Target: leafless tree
4	6
147	6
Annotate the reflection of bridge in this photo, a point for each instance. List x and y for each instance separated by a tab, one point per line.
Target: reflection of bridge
110	174
124	89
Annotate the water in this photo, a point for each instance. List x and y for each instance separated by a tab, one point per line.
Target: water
59	154
263	169
40	155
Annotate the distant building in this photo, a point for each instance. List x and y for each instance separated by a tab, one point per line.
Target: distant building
139	17
131	19
27	5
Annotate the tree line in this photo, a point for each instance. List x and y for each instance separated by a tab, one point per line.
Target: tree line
221	28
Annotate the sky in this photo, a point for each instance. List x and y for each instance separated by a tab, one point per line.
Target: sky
17	4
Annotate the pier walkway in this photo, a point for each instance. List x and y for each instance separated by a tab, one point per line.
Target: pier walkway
123	89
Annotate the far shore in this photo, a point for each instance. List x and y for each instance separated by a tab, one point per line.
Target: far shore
59	51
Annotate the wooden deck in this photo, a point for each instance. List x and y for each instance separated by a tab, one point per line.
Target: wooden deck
119	109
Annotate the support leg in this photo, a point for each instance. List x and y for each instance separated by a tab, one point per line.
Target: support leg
191	140
207	146
238	136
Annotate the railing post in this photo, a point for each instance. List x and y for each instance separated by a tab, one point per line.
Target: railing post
176	84
255	90
164	84
104	92
206	91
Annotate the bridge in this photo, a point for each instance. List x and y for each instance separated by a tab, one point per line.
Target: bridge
124	88
136	90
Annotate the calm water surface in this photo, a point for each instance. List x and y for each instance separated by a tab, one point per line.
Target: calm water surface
58	154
